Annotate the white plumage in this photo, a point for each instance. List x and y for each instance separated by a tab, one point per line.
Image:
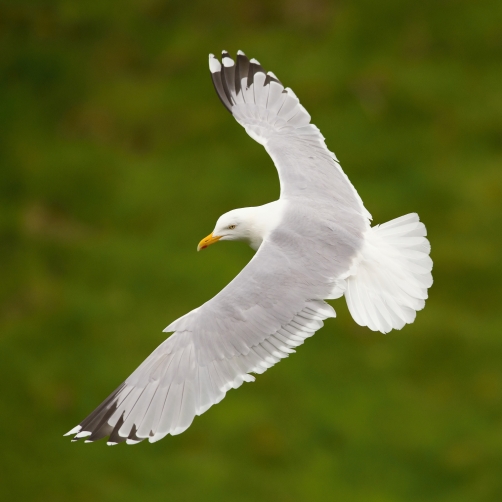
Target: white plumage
314	243
390	280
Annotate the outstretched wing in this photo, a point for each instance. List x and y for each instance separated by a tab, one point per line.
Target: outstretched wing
273	116
277	299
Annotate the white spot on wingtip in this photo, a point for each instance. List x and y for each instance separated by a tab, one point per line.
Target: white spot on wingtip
227	61
240	53
254	61
132	441
83	434
87	441
73	431
111	443
214	64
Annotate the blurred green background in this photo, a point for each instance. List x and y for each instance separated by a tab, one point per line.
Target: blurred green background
116	158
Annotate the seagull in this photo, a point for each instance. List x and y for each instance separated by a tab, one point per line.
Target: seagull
315	243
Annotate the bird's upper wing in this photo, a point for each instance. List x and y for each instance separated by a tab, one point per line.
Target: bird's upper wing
273	116
277	299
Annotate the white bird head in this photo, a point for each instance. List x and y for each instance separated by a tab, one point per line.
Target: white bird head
248	224
236	225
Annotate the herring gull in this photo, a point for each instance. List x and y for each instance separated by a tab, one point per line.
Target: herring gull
313	244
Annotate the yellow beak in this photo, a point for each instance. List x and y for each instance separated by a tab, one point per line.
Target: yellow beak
207	241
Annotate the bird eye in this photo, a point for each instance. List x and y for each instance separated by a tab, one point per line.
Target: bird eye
231	227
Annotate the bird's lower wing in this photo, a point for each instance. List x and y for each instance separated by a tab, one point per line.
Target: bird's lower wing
268	309
173	384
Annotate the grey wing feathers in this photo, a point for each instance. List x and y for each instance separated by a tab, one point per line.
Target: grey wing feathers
171	387
273	116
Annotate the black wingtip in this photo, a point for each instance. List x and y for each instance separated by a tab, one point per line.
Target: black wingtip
133	438
241	70
96	423
216	76
230	76
272	78
115	437
254	67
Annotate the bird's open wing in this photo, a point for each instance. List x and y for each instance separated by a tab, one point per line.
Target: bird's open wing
277	299
258	319
249	326
273	116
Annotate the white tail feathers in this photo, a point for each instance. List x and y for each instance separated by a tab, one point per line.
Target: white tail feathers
390	282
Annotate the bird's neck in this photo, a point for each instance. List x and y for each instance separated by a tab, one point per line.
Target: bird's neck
262	221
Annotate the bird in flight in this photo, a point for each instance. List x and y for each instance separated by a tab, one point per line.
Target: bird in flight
313	244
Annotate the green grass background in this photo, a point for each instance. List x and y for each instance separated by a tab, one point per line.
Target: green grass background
116	157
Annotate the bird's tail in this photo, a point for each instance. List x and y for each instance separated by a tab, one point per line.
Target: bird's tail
390	282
